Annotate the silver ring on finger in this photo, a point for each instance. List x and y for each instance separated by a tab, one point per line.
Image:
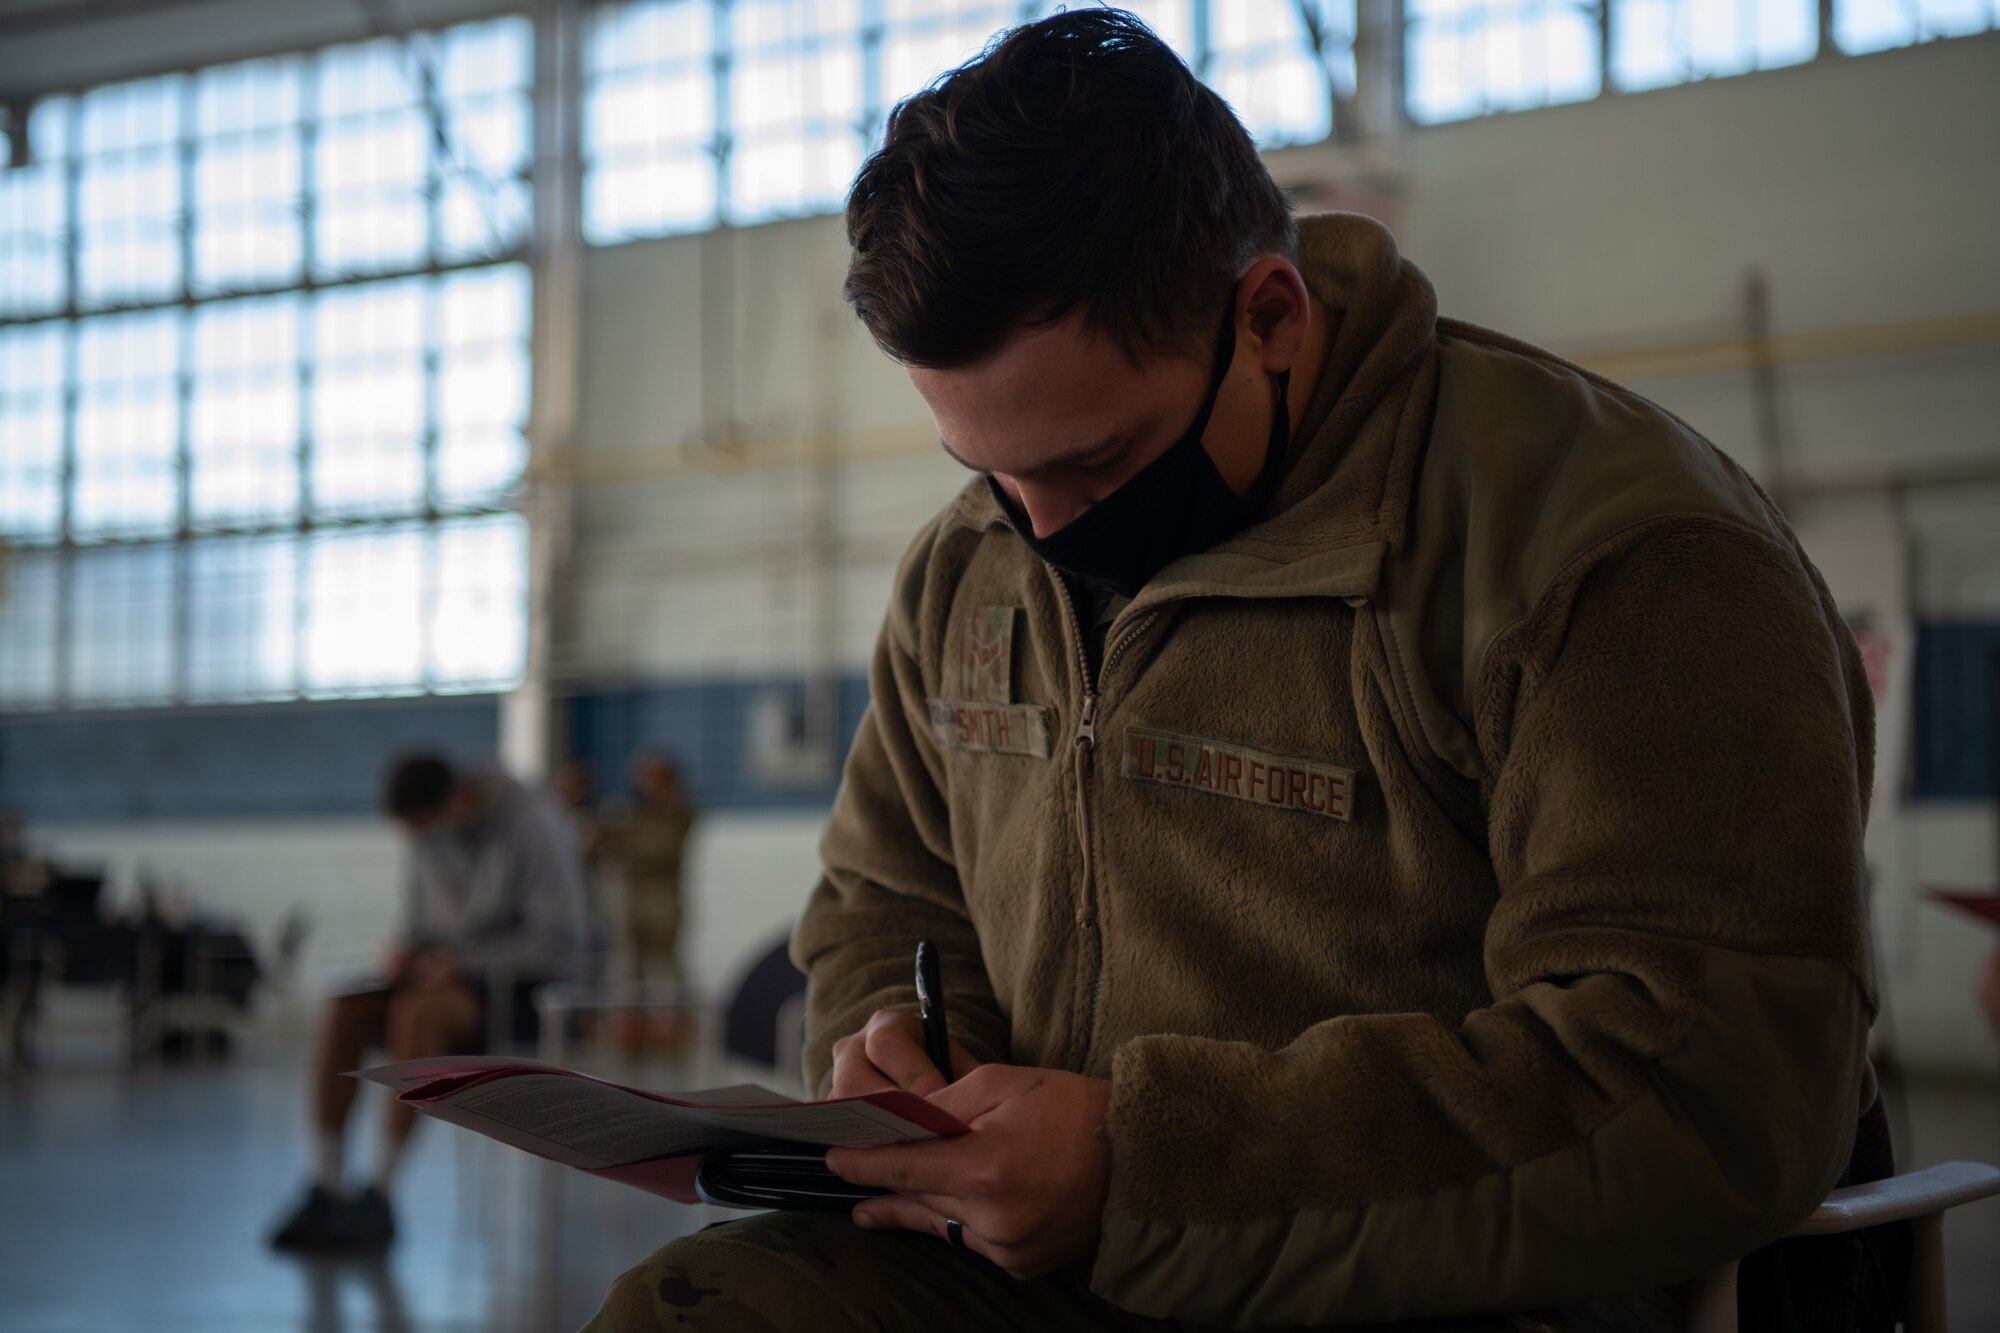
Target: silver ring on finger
954	1231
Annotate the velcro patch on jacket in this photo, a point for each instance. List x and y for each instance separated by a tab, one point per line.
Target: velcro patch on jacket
990	728
989	655
1238	771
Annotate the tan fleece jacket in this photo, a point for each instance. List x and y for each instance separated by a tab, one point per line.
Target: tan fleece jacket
1457	872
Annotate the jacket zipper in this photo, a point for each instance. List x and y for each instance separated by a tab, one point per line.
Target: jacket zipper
1083	742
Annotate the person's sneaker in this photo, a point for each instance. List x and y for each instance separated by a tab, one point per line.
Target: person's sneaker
320	1223
371	1224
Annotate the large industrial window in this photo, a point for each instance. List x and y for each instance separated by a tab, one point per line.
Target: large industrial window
701	112
1471	57
1876	25
263	379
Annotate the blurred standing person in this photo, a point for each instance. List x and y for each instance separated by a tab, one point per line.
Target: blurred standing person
642	849
575	786
494	904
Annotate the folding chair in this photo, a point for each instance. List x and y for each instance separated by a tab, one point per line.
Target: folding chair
1921	1198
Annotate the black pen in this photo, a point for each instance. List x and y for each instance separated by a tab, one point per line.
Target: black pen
930	1008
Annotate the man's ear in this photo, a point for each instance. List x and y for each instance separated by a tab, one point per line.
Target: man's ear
1273	312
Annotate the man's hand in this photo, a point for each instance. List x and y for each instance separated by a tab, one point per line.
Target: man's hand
1028	1183
889	1053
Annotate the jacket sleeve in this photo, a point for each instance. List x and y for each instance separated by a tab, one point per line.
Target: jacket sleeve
889	879
1678	739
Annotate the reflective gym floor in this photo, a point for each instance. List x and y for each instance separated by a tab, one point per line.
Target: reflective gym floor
139	1199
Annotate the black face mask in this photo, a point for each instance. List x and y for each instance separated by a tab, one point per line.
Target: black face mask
1174	506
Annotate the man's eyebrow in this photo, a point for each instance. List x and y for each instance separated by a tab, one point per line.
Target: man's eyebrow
1075	458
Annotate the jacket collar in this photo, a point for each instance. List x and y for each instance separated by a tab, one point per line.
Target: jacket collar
1344	502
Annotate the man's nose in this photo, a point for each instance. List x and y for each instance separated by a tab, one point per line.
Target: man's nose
1049	507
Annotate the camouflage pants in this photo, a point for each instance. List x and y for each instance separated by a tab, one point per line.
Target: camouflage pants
818	1273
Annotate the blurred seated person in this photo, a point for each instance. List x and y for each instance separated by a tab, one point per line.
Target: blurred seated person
494	905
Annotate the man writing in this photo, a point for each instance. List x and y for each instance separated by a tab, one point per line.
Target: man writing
1390	801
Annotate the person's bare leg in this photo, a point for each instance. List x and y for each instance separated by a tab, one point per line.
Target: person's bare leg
348	1023
422	1022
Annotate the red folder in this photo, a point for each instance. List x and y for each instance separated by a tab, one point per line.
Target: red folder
1985	906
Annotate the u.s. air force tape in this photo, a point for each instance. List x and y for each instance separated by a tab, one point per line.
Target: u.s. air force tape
1222	769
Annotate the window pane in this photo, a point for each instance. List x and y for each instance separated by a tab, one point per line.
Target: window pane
479	58
381	319
365	77
766	24
1280	97
482	219
245	413
364	611
482	404
789	89
478	635
1875	25
241	622
1659	42
482	384
484	305
31	396
122	116
129	230
490	137
127	425
247	220
50	126
368	400
914	53
672	192
484	209
253	95
1467	57
797	172
367	440
637	111
371	177
1172	21
33	234
28	584
652	33
122	624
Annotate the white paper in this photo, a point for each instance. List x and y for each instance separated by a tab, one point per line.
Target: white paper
583	1122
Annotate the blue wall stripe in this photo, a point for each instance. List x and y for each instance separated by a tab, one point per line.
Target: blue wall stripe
705	727
279	759
327	758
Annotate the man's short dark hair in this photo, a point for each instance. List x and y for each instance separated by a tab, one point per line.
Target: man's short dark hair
417	785
1077	165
